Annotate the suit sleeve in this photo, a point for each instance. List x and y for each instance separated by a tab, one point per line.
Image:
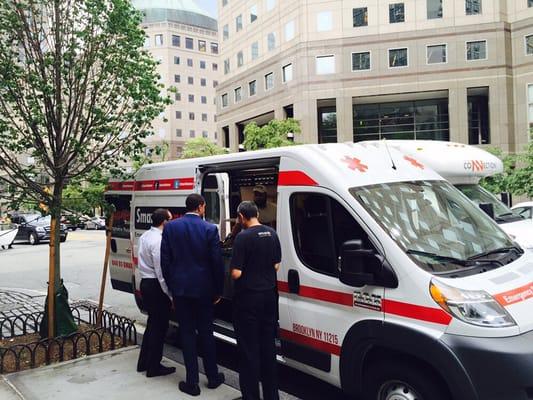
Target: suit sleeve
165	255
217	263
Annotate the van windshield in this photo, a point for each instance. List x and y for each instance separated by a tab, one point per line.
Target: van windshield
440	229
478	195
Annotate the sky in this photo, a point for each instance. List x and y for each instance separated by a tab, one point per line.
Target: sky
208	5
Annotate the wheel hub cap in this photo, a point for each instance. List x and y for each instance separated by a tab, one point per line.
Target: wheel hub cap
398	391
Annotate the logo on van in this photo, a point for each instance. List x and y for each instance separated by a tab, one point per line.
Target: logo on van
355	164
478	165
143	216
367	300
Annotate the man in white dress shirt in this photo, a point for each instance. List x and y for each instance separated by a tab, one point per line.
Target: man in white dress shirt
156	297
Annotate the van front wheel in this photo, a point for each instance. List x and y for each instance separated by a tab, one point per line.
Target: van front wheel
399	381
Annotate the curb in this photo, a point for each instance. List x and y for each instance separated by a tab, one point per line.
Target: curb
12	387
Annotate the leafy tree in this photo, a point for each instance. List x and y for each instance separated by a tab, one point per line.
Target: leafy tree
201	147
77	95
273	134
500	182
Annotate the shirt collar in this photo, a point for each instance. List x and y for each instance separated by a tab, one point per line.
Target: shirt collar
154	229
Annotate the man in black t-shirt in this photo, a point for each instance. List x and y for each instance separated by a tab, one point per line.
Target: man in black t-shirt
255	261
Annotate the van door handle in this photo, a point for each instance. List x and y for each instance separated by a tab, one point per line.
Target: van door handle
294	281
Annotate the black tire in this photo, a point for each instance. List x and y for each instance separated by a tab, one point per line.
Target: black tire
396	380
63	239
33	239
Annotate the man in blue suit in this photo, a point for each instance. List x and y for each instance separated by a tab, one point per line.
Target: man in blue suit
191	261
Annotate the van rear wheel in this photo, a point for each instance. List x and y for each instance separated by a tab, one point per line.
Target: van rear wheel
401	381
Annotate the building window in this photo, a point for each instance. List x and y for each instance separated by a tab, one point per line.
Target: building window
271	38
476	50
176	60
214	66
327	124
205	134
226	66
202	64
398	58
178	114
224	98
360	16
396	13
177	96
238	23
290	31
192	133
240	59
203	99
179	132
176	41
189	62
191	98
204	117
191	116
530	3
478	115
325	65
253	13
287	73
214	48
434	9
190	80
238	95
529	44
255	50
215	84
530	109
324	21
269	81
224	3
271	4
225	32
189	43
202	46
472	7
420	119
159	40
177	78
361	61
203	82
252	88
436	54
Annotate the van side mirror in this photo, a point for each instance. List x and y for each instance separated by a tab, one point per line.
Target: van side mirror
359	267
488	208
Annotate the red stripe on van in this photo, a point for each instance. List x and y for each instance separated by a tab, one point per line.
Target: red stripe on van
414	311
407	310
165	184
295	178
311	342
126	186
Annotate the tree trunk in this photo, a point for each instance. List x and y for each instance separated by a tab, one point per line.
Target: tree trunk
54	268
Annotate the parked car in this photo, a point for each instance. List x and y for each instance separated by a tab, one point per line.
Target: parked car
96	223
34	228
71	221
525	209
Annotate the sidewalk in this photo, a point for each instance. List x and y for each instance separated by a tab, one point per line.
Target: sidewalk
104	376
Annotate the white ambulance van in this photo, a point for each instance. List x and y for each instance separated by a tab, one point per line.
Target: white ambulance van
393	285
464	166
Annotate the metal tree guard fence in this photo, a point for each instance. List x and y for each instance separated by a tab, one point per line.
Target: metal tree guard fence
115	332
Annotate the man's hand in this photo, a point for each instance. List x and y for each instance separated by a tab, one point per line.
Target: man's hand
217	300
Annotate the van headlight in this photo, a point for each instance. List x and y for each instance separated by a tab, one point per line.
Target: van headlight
475	307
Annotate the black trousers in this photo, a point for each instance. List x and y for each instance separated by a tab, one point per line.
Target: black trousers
196	315
157	304
256	323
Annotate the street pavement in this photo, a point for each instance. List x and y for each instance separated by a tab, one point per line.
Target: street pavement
24	273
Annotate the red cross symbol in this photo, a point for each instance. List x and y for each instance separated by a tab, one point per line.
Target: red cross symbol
355	164
414	162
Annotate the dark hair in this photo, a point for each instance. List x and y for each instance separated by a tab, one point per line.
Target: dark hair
193	201
159	216
248	209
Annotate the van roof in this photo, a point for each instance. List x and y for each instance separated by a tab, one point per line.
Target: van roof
334	165
456	162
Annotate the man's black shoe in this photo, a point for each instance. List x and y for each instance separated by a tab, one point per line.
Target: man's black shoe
217	381
192	390
141	368
162	371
